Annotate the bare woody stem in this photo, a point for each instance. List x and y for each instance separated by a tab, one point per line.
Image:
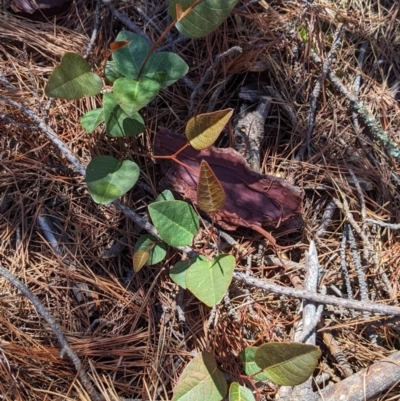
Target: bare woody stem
172	157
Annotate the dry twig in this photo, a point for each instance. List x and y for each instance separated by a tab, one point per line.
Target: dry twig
65	348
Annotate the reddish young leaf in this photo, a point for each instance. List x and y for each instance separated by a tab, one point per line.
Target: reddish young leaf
210	194
117	45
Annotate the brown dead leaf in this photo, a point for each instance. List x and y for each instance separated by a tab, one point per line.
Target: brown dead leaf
210	193
251	198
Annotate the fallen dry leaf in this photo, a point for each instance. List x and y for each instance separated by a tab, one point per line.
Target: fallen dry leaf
251	198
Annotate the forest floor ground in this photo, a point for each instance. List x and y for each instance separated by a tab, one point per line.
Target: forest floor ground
124	326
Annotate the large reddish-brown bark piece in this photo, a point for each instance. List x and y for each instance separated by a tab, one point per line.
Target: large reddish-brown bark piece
252	199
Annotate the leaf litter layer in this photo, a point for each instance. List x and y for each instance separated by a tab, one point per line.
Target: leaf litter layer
124	327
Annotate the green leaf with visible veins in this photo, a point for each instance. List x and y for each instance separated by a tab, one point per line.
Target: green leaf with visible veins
201	380
132	95
287	364
204	18
165	68
108	178
92	119
176	221
209	280
72	79
118	123
128	59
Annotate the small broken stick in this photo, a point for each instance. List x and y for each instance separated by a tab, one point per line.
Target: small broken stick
249	132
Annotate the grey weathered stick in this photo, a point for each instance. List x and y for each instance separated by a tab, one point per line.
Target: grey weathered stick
323	299
362	283
308	334
369	120
343	263
383	224
326	218
310	307
65	348
316	92
95	29
367	383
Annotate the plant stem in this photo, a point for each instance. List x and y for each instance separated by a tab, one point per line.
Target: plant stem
164	34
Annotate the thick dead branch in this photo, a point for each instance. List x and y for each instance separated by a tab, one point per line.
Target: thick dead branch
367	383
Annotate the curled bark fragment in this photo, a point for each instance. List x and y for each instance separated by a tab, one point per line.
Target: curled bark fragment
251	198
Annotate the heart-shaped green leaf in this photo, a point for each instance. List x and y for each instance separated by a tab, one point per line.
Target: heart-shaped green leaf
156	249
178	272
108	179
175	221
110	72
118	123
204	18
165	196
72	79
201	380
165	68
129	59
92	119
132	95
204	129
240	393
250	367
287	364
208	281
